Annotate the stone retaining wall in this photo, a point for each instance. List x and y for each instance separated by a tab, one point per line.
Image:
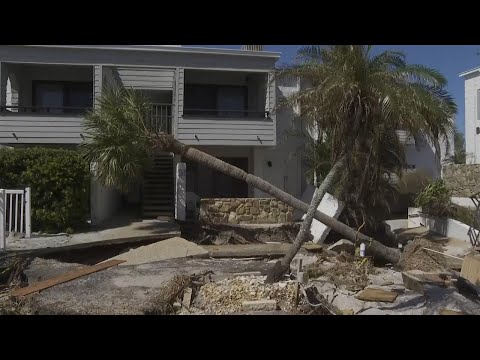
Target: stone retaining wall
463	180
245	211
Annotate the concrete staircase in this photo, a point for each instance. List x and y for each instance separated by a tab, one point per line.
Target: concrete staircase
158	189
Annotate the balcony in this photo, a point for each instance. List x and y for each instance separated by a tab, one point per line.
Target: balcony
226	108
159	118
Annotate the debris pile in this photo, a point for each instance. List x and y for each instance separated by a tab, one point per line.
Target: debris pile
227	296
415	258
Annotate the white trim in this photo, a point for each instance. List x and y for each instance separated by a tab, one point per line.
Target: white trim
468	72
141	66
176	49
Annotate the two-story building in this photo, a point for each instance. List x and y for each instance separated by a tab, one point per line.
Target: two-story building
217	100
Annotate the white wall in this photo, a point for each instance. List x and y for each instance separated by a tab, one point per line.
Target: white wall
286	171
104	202
472	139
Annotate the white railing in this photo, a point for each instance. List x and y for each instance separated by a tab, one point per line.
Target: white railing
15	214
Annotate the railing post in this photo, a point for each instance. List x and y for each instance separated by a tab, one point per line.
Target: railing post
3	220
28	213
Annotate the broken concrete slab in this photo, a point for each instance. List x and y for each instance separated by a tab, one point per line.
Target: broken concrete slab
259	305
343	245
377	295
176	247
450	312
331	207
416	280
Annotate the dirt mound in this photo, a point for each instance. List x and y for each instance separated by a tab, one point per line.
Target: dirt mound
415	258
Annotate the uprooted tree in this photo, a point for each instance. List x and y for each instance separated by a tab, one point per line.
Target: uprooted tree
120	143
355	104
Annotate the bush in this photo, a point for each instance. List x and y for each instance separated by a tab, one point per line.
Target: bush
59	180
434	199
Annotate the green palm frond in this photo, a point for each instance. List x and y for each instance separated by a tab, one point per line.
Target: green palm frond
118	141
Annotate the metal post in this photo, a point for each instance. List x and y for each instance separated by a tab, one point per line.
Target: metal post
28	213
3	220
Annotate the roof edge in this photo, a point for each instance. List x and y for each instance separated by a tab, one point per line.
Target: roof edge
177	49
468	72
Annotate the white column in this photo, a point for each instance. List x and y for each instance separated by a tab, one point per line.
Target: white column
28	213
3	242
180	191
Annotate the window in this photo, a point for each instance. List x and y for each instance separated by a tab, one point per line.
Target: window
216	100
62	97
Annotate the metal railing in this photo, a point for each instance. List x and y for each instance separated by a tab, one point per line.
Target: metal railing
15	214
226	113
159	118
473	232
44	109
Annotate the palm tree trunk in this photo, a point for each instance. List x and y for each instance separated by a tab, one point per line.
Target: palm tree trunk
374	248
276	272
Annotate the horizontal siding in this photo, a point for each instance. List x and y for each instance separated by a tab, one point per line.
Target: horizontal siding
41	129
146	78
405	138
226	132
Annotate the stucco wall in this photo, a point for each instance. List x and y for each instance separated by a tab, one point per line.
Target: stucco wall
462	180
472	139
245	211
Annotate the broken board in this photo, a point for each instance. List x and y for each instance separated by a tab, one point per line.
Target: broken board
377	295
471	269
42	285
252	250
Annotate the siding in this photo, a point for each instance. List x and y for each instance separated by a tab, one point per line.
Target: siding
211	131
40	129
147	78
97	82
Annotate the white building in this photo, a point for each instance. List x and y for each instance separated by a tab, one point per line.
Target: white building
472	115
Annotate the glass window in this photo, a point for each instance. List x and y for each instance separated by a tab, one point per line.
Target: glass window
215	100
62	97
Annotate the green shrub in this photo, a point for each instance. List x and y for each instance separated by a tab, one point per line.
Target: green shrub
59	180
434	199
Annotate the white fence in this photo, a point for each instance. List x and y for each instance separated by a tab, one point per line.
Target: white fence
15	214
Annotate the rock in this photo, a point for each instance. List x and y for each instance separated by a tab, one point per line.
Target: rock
416	280
282	218
254	210
343	245
245	217
225	208
289	216
347	312
187	297
232	218
450	312
241	210
259	305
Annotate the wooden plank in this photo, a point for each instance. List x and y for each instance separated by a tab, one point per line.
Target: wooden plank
249	250
471	269
42	285
378	295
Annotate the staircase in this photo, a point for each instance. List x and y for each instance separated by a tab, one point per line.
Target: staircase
158	189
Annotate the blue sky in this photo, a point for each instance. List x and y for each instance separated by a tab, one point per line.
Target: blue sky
450	60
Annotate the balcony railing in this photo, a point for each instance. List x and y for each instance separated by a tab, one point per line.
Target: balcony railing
159	118
235	114
44	110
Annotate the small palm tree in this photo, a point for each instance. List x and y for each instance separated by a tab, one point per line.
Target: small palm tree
120	144
359	101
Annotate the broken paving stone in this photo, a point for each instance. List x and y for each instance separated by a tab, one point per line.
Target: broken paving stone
416	280
343	245
259	305
377	295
